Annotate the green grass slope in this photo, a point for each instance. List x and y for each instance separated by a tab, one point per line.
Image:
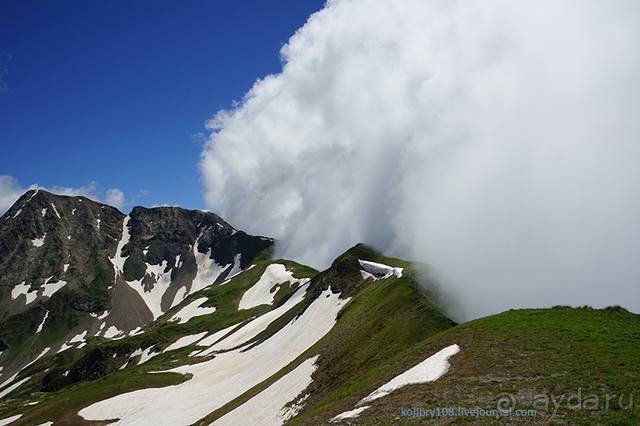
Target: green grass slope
569	365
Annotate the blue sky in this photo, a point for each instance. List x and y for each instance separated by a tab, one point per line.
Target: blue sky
113	92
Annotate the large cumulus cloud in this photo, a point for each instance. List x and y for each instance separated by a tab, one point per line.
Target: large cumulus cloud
496	141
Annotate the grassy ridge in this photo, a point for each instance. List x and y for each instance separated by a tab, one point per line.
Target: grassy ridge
385	319
571	365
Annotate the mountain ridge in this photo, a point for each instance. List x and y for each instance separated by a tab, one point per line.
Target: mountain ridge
271	341
58	267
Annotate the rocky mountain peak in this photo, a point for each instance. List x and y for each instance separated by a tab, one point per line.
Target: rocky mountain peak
72	261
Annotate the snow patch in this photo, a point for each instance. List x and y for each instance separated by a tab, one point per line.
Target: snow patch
55	210
207	269
112	332
64	347
378	271
351	414
235	269
261	292
65	267
118	259
179	297
12	378
428	370
41	325
136	331
269	406
101	316
232	276
48	289
44	212
13	387
33	195
11	419
17	213
39	242
191	310
79	337
145	355
23	288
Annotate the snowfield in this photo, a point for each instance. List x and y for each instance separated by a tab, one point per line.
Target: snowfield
185	341
268	407
256	326
213	338
207	269
378	271
192	310
262	292
210	340
152	296
217	381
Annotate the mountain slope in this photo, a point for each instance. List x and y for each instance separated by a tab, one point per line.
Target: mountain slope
71	268
270	341
570	365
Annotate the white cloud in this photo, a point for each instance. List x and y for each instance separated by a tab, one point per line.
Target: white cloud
115	197
497	141
11	190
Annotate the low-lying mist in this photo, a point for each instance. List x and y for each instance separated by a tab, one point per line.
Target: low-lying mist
496	141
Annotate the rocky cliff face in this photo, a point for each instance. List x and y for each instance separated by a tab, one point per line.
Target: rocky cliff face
70	265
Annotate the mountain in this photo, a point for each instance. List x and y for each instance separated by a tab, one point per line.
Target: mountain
71	268
172	317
